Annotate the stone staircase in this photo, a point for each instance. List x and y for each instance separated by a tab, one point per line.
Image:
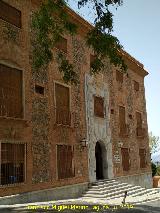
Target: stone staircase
112	192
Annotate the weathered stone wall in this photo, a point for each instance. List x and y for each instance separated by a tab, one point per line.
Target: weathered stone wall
98	128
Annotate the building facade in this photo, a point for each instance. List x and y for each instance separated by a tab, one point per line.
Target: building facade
44	122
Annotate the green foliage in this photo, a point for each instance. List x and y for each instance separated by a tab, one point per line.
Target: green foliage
154	169
153	142
158	170
48	29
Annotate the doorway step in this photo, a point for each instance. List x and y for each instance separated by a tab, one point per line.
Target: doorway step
112	192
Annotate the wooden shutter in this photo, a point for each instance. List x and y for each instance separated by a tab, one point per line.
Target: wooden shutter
10	14
10	92
125	159
136	86
62	104
122	122
62	45
119	76
139	119
64	161
142	155
99	106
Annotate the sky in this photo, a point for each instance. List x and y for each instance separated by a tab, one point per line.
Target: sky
137	26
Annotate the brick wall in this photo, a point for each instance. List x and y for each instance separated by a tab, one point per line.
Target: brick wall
38	128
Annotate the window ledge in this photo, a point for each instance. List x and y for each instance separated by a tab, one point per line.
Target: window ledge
26	122
12	185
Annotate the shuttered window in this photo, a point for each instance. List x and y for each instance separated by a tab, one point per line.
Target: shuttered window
139	119
92	58
65	161
142	155
10	92
122	122
136	85
99	106
12	163
10	14
62	45
119	76
62	104
125	159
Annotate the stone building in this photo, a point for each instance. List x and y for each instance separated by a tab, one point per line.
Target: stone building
45	124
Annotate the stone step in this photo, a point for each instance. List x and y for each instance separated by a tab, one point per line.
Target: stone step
106	190
114	192
115	184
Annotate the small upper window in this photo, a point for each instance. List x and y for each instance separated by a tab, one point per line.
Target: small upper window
119	76
39	89
10	14
62	44
92	58
99	106
136	86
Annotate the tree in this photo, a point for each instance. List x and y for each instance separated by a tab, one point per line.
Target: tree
154	169
48	31
153	142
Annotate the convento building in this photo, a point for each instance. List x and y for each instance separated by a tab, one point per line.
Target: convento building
60	137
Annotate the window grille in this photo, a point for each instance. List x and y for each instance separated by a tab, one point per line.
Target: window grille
99	106
12	163
10	92
10	14
63	115
65	161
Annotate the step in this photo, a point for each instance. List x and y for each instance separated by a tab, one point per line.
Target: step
108	185
103	191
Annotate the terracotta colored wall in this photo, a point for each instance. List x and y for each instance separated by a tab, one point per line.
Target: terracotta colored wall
38	129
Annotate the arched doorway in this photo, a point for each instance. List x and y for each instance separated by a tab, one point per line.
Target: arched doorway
99	161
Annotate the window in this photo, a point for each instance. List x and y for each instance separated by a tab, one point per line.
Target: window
62	104
99	106
65	161
92	58
136	86
39	89
12	163
10	14
62	45
125	159
139	130
10	92
123	127
142	156
119	76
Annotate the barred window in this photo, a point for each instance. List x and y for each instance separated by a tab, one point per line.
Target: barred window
142	156
10	14
139	119
62	44
65	161
125	159
99	106
12	163
62	96
10	92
